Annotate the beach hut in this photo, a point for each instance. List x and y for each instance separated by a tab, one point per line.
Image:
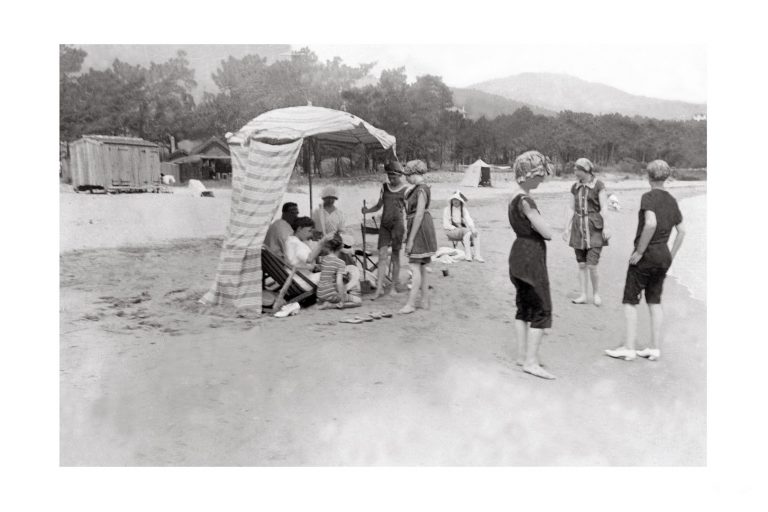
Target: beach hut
189	168
264	153
215	157
114	163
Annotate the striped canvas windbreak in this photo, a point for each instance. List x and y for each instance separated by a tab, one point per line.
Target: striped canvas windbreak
260	174
330	127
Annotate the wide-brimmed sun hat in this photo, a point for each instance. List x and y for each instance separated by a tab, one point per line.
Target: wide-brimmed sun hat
329	191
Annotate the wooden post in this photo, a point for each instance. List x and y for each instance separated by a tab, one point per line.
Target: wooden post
309	175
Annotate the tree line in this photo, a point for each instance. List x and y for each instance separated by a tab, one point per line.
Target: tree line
156	102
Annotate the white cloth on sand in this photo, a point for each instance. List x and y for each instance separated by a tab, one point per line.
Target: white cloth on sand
448	255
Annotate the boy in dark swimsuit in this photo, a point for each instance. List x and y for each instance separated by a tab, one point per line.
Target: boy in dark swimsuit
392	229
650	260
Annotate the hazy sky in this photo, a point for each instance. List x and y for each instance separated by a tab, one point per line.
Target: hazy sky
676	72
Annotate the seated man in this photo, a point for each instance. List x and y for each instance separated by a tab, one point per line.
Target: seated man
459	226
281	229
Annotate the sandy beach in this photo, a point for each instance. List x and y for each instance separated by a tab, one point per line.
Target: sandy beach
149	377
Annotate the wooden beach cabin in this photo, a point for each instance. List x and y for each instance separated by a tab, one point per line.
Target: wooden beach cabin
206	160
114	164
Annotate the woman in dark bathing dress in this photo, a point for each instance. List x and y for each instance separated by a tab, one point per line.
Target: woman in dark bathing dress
421	242
528	263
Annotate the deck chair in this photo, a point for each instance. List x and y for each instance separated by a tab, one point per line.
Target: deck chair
457	242
274	267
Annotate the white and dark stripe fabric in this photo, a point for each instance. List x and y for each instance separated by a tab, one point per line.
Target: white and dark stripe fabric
260	174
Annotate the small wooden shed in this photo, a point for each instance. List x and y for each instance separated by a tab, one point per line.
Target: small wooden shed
209	159
114	163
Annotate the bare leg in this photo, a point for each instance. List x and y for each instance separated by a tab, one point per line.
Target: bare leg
657	318
592	269
652	351
476	240
582	299
425	304
410	306
467	241
395	271
627	350
521	333
382	271
531	364
630	317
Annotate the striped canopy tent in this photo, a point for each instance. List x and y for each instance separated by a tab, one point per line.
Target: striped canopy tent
264	153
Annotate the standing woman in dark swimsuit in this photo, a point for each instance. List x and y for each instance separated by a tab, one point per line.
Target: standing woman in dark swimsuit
528	263
421	242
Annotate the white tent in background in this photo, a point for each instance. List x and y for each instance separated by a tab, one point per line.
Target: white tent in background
472	174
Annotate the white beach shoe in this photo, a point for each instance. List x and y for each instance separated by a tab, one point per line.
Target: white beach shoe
652	354
597	300
288	310
621	353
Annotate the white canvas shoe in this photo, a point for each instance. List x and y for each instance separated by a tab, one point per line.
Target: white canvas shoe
652	354
621	353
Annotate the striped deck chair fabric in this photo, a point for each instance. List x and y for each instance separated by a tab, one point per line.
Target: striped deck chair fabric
260	174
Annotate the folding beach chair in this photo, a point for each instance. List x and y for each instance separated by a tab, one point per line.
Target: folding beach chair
287	278
364	258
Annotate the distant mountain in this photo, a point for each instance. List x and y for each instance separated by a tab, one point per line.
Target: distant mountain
564	92
478	104
203	58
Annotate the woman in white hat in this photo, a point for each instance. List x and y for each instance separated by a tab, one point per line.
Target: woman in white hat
459	226
328	219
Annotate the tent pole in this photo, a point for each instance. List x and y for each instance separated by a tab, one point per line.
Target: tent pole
309	175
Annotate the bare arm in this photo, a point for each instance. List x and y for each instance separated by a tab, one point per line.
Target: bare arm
679	237
568	220
603	197
375	207
417	219
537	221
318	248
340	287
645	237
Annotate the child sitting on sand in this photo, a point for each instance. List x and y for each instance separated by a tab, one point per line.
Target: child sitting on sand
331	288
